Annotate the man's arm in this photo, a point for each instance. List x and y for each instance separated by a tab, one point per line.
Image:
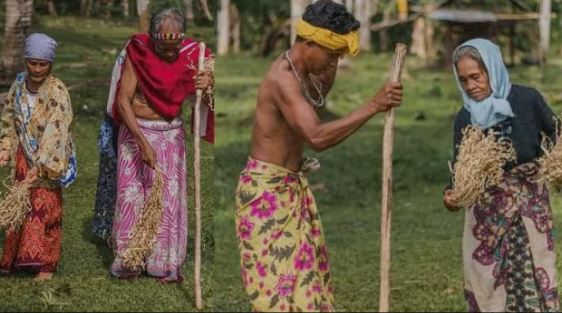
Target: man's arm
124	99
320	136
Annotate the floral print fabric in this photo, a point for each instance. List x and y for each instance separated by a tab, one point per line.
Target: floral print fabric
284	258
508	247
134	181
41	129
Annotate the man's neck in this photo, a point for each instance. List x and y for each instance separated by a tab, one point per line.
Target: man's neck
296	55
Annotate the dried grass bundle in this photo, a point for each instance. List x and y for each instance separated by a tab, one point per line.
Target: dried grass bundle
143	234
550	164
479	165
15	206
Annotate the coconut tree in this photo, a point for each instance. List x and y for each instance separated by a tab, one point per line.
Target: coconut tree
16	28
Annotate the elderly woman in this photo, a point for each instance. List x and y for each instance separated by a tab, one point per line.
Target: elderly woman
36	142
508	244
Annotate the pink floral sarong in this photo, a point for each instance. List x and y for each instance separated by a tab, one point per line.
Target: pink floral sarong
134	181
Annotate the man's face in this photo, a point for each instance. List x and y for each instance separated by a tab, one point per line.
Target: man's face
37	69
168	50
321	61
473	78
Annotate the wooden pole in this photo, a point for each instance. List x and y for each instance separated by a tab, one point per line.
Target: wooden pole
388	139
197	175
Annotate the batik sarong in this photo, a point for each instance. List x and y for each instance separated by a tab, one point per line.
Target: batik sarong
36	246
284	258
508	247
134	182
107	179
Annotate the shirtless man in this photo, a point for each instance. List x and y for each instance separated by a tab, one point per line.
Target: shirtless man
283	253
160	72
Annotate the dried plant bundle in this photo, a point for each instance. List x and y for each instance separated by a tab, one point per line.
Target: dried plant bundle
479	165
16	206
143	234
550	164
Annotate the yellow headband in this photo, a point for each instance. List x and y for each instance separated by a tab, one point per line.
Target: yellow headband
329	39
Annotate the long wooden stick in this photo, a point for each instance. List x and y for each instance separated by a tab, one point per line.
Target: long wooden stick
197	175
388	139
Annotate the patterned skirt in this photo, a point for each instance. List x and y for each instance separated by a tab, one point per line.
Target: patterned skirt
134	181
508	247
36	246
284	258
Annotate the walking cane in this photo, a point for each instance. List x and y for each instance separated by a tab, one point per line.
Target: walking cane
197	174
386	210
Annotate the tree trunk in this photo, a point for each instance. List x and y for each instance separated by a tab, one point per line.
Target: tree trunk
52	8
144	14
544	28
349	5
18	24
418	46
188	5
126	8
383	33
84	8
428	33
235	27
297	9
205	8
402	9
223	28
363	14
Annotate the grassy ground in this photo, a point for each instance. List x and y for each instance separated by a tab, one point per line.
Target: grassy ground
85	59
426	239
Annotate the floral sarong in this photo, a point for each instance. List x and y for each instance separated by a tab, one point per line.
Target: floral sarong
508	247
134	181
284	258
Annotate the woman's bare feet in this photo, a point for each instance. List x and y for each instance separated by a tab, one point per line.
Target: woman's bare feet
42	276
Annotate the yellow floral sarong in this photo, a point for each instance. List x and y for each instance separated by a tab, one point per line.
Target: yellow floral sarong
284	258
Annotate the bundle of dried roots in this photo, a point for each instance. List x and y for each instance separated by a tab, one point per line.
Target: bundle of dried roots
143	234
16	206
550	164
479	165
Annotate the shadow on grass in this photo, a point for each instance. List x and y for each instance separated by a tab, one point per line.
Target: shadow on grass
104	251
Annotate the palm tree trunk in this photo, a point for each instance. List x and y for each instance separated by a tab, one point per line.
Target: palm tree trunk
188	5
52	8
18	24
297	9
144	15
223	28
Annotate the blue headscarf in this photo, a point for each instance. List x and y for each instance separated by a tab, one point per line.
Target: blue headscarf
495	108
40	46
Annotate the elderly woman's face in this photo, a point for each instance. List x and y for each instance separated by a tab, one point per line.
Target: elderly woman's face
473	78
37	69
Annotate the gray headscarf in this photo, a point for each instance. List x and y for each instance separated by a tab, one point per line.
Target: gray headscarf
40	46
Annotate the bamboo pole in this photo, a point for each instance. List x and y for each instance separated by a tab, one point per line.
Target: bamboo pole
388	139
197	175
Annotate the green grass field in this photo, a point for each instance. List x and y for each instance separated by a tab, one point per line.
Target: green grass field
426	239
85	56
